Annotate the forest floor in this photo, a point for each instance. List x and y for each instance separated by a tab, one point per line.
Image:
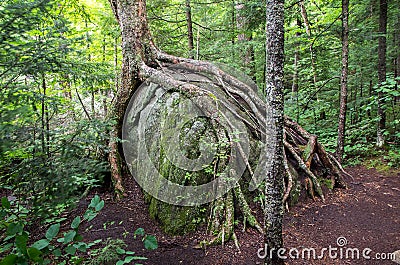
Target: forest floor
366	215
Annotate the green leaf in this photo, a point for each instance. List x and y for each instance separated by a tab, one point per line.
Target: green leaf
5	203
13	229
57	252
70	250
6	247
52	231
130	258
120	262
20	242
34	254
94	201
150	242
41	244
69	236
9	260
76	222
120	251
89	215
139	232
81	246
99	206
78	237
91	244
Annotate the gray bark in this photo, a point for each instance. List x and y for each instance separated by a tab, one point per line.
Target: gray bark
274	92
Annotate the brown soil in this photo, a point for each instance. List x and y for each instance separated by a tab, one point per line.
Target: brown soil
367	214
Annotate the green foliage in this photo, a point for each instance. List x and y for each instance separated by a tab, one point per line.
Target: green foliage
54	248
61	247
53	146
114	251
315	105
393	158
150	241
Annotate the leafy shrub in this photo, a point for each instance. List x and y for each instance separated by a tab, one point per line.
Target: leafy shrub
57	248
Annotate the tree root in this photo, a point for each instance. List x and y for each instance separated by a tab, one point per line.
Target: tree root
222	221
304	156
222	218
255	108
246	211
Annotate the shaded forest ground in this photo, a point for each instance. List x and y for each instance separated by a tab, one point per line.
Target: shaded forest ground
367	214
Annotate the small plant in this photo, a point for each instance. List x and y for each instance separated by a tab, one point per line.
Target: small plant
393	158
111	254
49	250
149	241
114	250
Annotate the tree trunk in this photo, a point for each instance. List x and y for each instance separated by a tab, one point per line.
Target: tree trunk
189	28
397	62
274	184
247	53
343	81
137	48
381	71
295	83
304	15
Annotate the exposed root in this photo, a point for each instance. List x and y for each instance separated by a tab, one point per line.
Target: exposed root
305	159
339	166
246	211
289	183
235	88
223	210
315	183
115	164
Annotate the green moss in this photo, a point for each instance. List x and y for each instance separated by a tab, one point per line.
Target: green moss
327	182
176	220
381	165
295	193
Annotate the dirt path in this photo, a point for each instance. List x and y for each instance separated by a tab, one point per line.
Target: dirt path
367	215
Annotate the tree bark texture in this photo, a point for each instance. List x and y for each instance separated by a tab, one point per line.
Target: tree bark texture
274	181
137	48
